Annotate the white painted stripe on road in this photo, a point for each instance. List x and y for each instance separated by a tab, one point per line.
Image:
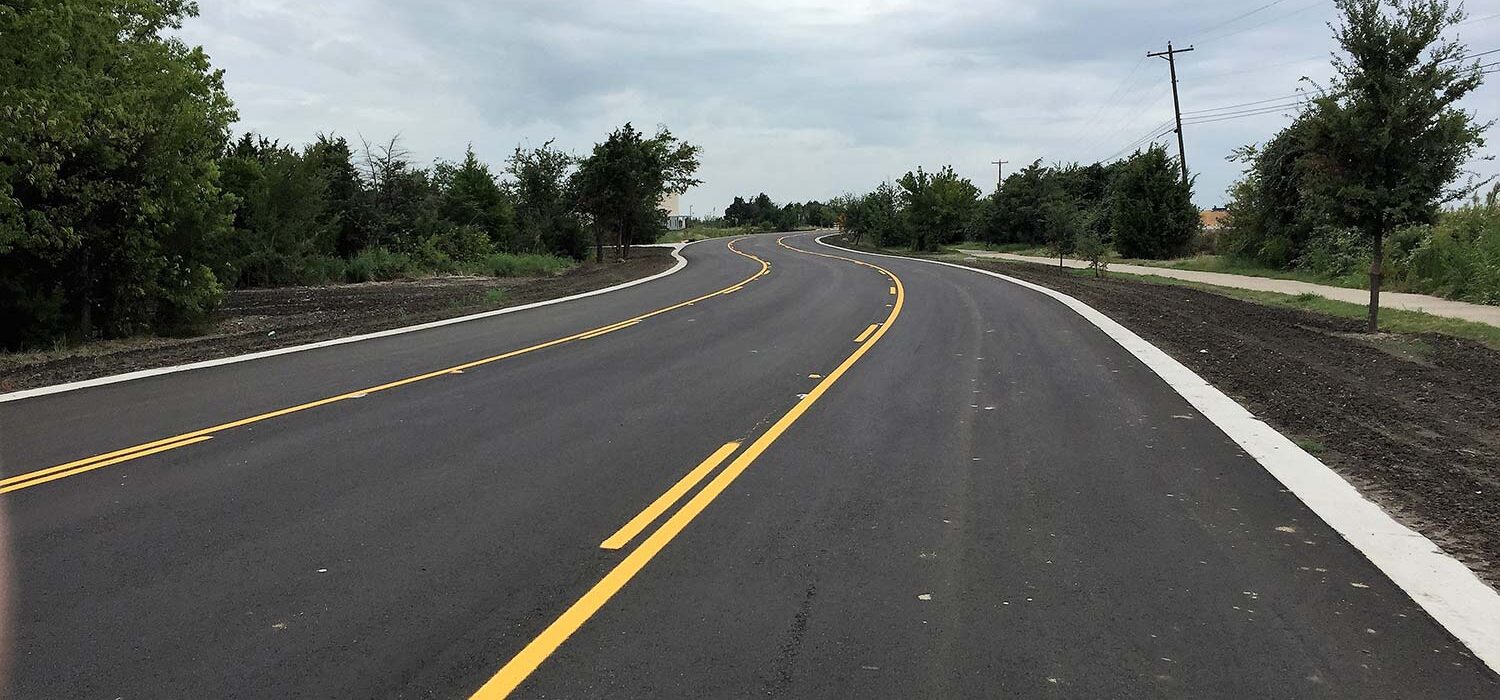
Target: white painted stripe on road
1449	592
142	374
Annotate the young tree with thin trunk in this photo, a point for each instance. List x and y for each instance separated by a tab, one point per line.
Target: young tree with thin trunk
1388	137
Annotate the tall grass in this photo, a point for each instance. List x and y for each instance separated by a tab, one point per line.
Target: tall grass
519	265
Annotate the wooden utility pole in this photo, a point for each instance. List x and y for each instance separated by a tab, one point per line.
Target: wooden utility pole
999	172
1170	54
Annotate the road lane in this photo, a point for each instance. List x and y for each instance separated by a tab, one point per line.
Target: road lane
995	500
1003	502
447	517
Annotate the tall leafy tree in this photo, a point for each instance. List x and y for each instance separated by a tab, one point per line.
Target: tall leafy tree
1151	208
937	205
280	216
1389	131
620	184
470	196
347	213
110	208
544	215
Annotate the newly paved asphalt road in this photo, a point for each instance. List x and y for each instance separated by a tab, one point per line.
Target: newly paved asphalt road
985	497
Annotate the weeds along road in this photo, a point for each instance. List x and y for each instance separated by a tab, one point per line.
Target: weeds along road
885	479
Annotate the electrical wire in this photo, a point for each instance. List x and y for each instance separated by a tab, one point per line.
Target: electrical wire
1242	115
1272	20
1237	18
1242	104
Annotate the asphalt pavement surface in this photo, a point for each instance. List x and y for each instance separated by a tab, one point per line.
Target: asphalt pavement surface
887	479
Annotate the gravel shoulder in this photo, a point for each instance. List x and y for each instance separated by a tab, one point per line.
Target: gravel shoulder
252	320
1411	419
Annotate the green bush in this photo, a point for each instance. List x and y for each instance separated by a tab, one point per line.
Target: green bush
463	243
377	264
523	265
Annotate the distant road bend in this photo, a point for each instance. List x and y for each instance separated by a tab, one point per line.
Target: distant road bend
786	470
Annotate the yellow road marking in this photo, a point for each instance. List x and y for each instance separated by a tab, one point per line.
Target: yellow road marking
893	290
121	455
610	329
866	334
625	534
523	664
53	476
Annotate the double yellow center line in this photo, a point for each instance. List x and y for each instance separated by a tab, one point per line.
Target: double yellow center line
524	663
87	464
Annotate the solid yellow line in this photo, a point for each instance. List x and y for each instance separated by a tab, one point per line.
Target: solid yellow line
520	667
866	334
611	329
624	535
98	465
146	448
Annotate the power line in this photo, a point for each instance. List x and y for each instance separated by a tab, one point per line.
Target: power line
1249	113
1135	108
1237	18
1243	104
1272	20
1477	19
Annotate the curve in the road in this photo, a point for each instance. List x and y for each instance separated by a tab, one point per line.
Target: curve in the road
1451	593
87	464
524	663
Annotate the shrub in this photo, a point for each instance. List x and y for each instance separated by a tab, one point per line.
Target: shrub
1093	250
375	264
462	243
1151	209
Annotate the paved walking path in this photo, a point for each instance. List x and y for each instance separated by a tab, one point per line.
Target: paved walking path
1479	313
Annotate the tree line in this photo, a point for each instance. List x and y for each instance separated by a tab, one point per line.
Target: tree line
760	212
1367	176
1138	205
126	206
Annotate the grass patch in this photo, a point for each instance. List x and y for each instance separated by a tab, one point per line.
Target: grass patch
524	265
1016	248
1391	320
1233	266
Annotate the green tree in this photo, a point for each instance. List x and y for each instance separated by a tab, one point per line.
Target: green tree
544	215
280	217
619	185
1151	209
348	204
1390	130
471	197
937	205
110	209
1275	209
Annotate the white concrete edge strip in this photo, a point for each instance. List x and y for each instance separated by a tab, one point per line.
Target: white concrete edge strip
142	374
1449	592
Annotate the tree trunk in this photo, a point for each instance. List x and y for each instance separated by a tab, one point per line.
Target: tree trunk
1372	325
598	244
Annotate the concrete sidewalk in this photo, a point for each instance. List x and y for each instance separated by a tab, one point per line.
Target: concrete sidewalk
1479	313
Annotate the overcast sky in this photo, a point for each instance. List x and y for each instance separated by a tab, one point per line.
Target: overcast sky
801	99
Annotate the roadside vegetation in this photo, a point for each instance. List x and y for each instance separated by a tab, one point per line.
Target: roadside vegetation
1365	188
127	206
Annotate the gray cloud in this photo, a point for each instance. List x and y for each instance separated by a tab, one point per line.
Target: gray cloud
801	99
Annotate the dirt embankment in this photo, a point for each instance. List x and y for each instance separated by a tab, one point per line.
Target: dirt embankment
1412	419
251	320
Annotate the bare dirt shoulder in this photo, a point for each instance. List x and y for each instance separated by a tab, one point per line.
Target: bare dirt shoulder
252	320
1411	419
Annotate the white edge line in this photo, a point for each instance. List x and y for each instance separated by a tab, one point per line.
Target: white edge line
1452	594
158	371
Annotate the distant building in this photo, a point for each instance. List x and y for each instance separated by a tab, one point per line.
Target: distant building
676	220
1214	219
